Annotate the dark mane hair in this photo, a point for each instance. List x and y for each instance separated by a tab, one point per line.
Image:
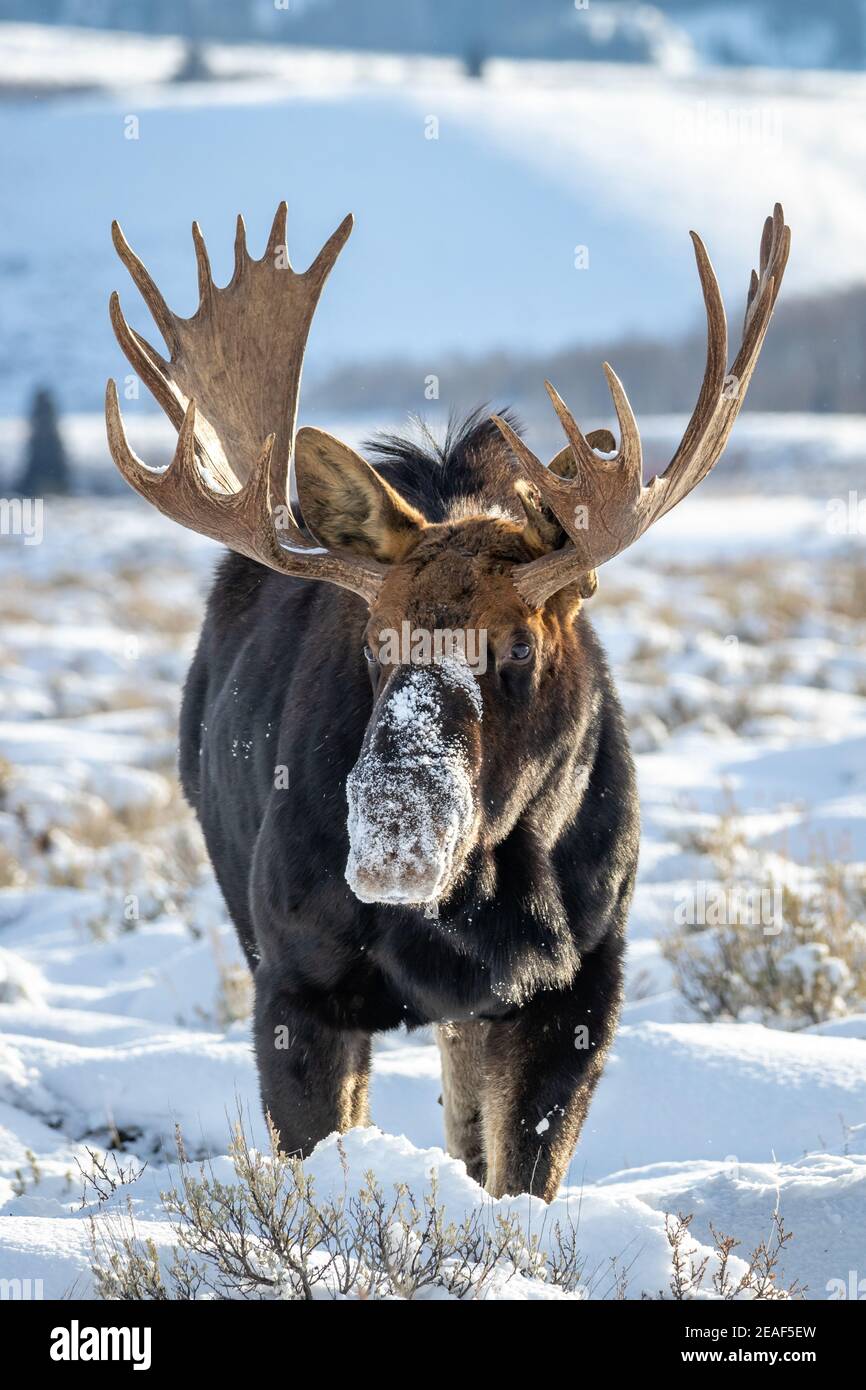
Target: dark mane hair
472	460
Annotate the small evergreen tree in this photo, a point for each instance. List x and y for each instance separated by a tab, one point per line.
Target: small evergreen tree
46	469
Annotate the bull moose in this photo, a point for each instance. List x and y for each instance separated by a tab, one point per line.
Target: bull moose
457	842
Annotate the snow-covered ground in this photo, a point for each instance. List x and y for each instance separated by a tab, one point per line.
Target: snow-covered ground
737	633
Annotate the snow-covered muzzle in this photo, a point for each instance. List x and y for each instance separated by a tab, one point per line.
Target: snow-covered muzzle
412	793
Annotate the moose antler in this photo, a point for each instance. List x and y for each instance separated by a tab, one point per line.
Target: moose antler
601	503
231	387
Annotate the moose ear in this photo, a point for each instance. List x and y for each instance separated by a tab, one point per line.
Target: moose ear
345	503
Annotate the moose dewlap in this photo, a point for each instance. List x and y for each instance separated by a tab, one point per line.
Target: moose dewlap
457	843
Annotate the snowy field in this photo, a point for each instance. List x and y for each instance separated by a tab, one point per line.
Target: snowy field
737	632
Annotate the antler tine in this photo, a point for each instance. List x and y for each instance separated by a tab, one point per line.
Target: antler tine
318	272
133	469
722	393
242	255
716	363
616	507
630	455
583	447
775	247
754	283
277	240
149	364
584	457
766	244
163	317
137	345
155	486
202	260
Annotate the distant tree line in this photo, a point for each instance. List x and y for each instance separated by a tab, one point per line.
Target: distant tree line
476	29
543	29
814	359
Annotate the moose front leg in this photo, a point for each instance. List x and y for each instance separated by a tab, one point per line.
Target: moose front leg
541	1069
314	1078
462	1049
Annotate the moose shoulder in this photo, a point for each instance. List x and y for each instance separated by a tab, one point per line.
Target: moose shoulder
413	778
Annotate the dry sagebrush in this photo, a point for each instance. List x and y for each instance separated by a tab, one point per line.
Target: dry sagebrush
267	1235
808	967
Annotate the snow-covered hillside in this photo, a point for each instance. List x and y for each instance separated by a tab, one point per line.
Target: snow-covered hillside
544	205
123	1001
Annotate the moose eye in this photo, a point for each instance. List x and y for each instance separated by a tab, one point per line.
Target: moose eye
520	651
369	654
